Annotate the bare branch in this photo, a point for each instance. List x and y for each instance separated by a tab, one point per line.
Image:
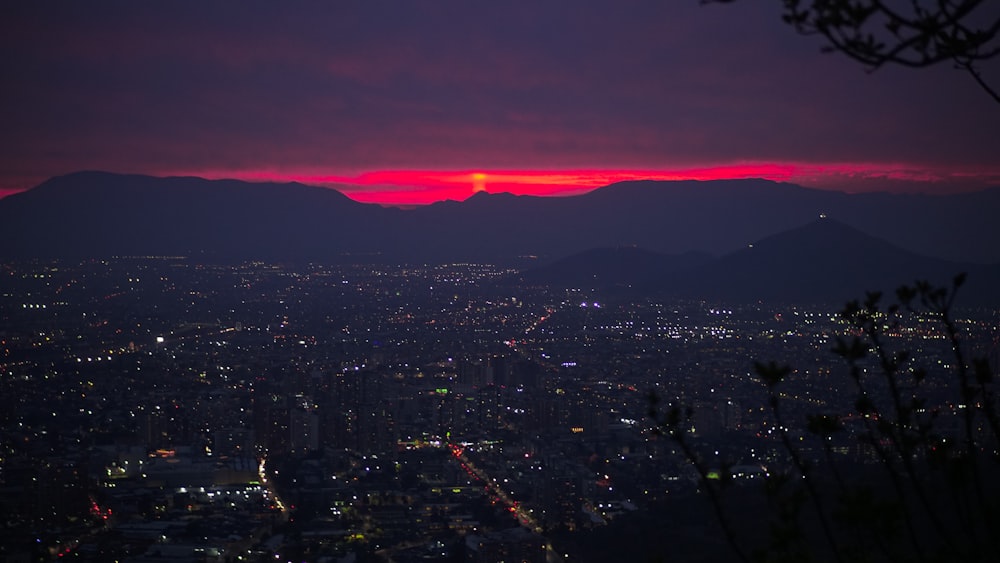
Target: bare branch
877	33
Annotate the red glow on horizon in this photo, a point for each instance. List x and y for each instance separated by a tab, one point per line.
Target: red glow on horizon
4	192
418	187
422	187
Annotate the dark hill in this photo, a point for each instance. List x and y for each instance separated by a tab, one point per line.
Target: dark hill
826	260
95	214
956	227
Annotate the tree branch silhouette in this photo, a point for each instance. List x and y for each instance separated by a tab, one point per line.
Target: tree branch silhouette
914	34
940	503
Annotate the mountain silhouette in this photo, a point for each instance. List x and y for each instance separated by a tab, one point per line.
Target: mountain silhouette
826	261
100	214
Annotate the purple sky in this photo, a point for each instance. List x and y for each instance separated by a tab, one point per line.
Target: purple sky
384	99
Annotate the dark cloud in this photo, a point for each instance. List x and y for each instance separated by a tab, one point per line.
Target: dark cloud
352	86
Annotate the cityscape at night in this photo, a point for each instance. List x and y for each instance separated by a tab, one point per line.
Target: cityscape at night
158	408
685	281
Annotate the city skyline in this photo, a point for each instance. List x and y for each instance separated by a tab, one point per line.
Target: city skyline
262	412
409	104
265	297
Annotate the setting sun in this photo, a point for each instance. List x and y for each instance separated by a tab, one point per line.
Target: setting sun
478	182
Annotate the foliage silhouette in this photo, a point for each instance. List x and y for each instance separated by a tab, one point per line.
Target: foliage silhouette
914	34
929	492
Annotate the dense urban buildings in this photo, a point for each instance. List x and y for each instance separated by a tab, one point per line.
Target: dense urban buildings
164	409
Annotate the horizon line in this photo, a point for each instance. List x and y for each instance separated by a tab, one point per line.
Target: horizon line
414	187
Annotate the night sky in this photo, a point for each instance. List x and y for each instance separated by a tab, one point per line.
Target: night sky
412	102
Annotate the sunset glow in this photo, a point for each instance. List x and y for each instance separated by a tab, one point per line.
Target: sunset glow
421	187
453	267
328	98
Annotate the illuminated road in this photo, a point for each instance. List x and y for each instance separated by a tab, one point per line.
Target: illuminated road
523	516
523	347
262	475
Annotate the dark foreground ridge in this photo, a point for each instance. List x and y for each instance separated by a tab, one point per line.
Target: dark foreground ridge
99	214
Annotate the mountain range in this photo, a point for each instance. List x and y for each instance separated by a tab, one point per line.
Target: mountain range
824	261
742	239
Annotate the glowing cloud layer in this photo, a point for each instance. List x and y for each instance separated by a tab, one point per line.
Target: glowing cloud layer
413	102
420	187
